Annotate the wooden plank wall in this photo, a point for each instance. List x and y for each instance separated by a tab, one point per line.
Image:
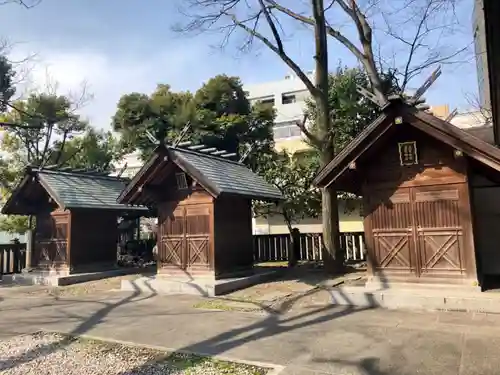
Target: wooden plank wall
12	258
275	247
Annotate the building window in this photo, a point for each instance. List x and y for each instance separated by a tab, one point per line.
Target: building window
286	130
408	153
181	181
268	101
288	98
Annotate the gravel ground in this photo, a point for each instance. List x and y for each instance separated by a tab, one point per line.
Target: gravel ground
54	354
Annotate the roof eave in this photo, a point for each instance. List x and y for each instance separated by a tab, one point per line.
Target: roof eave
255	197
131	187
337	166
483	152
109	208
15	193
50	191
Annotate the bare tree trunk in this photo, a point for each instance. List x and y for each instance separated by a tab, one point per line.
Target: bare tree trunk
329	197
333	256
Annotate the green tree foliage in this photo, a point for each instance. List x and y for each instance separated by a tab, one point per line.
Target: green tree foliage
293	176
52	120
60	137
7	89
219	114
94	149
350	112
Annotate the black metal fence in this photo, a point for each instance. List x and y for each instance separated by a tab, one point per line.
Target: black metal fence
275	247
12	258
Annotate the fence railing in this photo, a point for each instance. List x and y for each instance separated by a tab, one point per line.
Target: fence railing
12	258
275	247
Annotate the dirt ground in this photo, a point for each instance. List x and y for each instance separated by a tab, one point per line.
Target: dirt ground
297	288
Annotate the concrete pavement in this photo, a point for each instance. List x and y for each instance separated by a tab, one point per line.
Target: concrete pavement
336	340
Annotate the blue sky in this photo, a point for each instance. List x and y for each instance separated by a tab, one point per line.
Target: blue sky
119	47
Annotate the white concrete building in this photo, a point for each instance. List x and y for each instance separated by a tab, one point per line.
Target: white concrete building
288	96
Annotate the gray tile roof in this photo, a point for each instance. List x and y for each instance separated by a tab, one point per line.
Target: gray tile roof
78	190
228	177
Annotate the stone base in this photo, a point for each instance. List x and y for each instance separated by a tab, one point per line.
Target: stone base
443	298
375	283
200	286
55	278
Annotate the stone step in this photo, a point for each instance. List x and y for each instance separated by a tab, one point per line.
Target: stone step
417	299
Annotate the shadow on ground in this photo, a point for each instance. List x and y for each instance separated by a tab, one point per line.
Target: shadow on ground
275	322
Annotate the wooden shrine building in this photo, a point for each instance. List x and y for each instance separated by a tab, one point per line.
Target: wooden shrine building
431	197
76	218
204	202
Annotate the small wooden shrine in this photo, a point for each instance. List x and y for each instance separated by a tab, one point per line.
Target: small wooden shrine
203	200
76	218
430	196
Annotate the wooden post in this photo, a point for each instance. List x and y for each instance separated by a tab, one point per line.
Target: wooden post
30	237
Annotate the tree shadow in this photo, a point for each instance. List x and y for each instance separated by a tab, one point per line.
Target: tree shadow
365	366
276	322
87	324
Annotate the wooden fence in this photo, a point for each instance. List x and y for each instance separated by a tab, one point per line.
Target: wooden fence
275	247
12	258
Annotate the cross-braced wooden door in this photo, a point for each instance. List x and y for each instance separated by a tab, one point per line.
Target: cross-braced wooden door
185	237
392	232
417	231
198	236
439	230
172	242
51	239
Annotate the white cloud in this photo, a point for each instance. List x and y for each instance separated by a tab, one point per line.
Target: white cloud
106	77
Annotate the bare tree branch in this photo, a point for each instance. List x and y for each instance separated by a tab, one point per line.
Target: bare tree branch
303	128
276	49
24	3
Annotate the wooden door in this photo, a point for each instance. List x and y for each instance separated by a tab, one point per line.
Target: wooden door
51	239
185	237
172	242
392	240
439	230
198	236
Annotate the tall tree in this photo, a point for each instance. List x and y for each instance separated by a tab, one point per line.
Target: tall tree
52	124
271	23
350	113
213	11
219	114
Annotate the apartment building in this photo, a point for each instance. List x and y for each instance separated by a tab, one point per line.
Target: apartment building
288	96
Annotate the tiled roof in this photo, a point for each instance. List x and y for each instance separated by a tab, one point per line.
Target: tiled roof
80	190
226	176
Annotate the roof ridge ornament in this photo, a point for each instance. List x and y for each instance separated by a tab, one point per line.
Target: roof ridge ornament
416	100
